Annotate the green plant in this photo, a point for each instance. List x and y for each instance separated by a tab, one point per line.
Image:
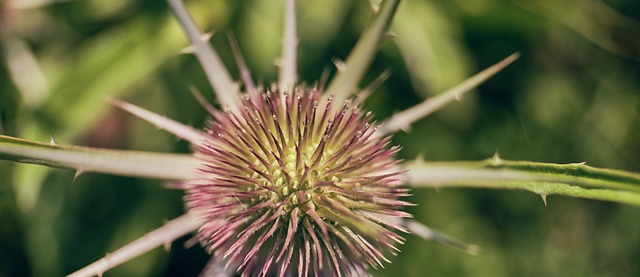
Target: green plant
544	179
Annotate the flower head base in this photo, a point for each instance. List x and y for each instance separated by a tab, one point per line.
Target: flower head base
291	185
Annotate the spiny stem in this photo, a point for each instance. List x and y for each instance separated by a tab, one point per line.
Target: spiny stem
574	180
86	159
404	119
289	50
347	79
227	91
162	236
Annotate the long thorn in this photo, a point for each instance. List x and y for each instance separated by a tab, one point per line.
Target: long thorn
427	233
169	232
405	118
182	131
289	49
226	89
366	92
346	81
245	74
203	101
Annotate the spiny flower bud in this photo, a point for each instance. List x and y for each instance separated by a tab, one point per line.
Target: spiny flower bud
290	185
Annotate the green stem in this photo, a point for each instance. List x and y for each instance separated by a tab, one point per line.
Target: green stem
86	159
574	180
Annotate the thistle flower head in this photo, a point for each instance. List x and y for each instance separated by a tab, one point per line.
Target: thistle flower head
289	185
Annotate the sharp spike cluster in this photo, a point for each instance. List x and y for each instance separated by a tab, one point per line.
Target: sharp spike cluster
284	174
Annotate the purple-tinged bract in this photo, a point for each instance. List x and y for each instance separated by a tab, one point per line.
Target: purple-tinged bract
291	185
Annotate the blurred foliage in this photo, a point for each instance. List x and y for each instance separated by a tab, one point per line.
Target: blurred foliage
573	96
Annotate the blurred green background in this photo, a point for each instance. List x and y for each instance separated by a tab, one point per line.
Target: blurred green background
573	96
